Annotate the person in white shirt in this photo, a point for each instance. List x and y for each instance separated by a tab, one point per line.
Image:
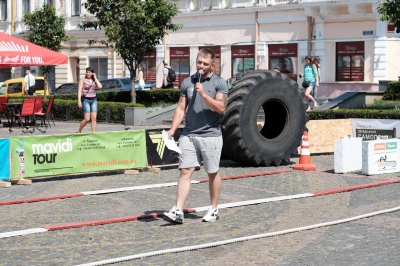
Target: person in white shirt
29	82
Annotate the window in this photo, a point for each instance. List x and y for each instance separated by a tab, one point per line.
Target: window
100	66
180	62
3	89
3	10
242	65
75	7
284	57
242	59
150	67
350	61
50	2
390	27
26	6
393	28
14	87
5	73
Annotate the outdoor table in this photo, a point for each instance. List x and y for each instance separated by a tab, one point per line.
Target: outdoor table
15	110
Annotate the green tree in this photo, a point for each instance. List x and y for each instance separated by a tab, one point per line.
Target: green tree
132	27
390	11
46	29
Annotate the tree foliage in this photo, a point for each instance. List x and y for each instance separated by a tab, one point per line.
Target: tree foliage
390	11
132	27
46	29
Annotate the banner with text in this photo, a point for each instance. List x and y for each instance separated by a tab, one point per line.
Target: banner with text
5	159
371	129
79	153
157	152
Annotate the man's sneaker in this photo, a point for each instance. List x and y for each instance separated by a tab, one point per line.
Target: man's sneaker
174	216
211	216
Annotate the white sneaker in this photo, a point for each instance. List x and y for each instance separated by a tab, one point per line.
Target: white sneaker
174	216
212	215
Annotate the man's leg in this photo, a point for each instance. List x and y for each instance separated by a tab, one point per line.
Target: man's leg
175	215
215	188
183	190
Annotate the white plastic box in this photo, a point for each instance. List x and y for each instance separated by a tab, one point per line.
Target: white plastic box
347	155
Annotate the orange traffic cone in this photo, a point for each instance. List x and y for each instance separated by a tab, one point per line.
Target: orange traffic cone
305	159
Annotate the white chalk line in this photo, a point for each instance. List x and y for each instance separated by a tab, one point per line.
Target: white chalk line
256	201
198	209
115	190
236	240
23	232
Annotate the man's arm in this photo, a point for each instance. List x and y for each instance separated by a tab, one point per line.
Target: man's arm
165	75
178	115
217	104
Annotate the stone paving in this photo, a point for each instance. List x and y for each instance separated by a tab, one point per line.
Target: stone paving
369	241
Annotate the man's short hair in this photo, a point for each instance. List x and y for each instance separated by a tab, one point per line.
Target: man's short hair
207	52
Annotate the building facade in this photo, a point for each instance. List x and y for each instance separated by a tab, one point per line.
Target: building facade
356	48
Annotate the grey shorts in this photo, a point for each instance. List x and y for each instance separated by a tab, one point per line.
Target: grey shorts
196	150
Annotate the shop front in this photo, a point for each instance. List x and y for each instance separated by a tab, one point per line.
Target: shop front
180	62
284	57
242	59
150	67
350	61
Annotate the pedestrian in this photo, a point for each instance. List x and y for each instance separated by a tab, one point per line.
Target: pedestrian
310	80
317	63
140	78
166	83
239	75
87	98
204	98
30	83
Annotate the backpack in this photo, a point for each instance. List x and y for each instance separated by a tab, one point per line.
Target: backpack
171	75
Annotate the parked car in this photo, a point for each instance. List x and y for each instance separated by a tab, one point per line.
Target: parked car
123	84
65	88
16	87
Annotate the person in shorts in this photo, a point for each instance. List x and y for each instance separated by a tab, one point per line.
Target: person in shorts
87	99
166	83
204	98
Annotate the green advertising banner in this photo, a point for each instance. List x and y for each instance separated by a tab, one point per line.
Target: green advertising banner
78	153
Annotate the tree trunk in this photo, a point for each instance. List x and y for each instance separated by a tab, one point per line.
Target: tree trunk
133	91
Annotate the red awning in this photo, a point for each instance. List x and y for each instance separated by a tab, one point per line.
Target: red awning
15	52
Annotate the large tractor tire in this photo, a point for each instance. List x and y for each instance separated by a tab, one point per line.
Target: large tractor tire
281	100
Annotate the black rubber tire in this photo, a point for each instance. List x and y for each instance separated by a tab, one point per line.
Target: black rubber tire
282	102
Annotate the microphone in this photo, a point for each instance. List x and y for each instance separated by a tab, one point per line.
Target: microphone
200	73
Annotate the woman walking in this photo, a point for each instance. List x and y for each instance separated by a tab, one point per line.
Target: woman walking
317	63
87	98
140	77
310	81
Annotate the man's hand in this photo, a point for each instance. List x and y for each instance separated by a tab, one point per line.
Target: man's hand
170	133
200	89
